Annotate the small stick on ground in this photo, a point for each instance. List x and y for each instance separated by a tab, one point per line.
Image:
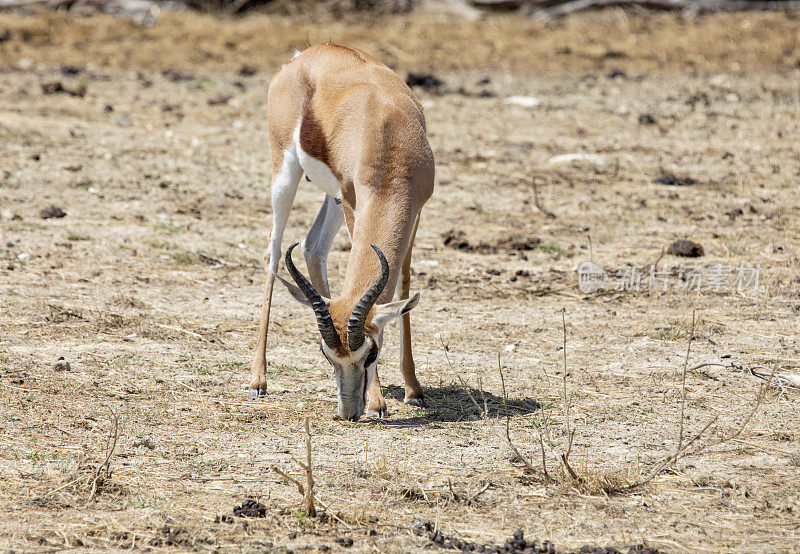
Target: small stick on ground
213	259
481	411
309	499
678	453
514	449
671	459
538	204
759	400
570	433
103	471
779	379
660	256
308	490
683	382
483	394
482	490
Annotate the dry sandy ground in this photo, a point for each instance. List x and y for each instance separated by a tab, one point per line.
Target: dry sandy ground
150	288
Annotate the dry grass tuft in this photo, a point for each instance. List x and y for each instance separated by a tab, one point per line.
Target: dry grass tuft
601	481
90	478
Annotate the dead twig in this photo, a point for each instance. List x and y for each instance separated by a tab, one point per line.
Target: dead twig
680	452
308	490
482	490
683	381
180	330
658	260
511	445
483	394
761	394
570	433
667	461
103	471
481	411
309	499
213	259
291	479
446	349
780	379
538	204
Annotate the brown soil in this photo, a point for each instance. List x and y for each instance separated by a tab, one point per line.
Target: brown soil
150	289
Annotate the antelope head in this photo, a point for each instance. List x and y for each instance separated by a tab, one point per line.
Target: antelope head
352	347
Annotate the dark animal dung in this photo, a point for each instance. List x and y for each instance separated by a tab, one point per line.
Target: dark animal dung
671	179
250	508
647	119
515	243
52	212
686	249
426	81
57	87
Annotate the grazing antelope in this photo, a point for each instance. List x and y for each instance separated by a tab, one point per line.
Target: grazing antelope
357	132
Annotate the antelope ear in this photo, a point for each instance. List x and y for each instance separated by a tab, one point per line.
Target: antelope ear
297	294
387	312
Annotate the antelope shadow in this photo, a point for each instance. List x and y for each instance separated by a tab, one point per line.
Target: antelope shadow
452	403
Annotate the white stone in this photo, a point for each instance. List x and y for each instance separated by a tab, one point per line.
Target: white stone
523	101
594	159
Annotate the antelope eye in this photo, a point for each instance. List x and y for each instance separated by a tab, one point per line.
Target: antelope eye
373	354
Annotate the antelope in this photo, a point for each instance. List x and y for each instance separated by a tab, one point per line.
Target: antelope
354	128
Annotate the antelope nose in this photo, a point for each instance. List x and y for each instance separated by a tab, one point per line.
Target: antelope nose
353	418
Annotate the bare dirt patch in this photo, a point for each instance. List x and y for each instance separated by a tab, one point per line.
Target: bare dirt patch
149	288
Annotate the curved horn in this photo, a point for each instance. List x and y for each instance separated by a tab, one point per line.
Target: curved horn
355	325
324	321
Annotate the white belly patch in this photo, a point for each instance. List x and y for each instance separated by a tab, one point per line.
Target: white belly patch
318	172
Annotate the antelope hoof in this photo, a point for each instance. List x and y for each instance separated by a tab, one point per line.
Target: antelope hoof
380	413
418	402
257	391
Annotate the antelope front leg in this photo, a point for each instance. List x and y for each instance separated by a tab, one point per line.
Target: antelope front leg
376	405
414	394
258	384
284	188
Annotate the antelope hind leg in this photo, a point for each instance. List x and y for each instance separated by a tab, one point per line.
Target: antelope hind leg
318	242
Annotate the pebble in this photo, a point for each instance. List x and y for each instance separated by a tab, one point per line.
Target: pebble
523	101
594	159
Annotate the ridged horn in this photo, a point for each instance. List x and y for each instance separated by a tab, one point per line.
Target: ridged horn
355	324
324	321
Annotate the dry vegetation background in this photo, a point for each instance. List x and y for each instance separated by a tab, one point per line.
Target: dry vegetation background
150	287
